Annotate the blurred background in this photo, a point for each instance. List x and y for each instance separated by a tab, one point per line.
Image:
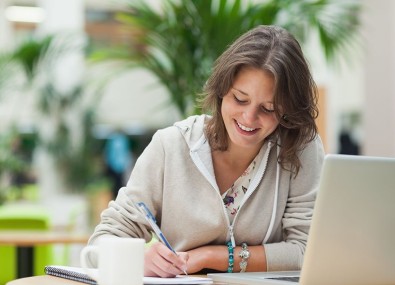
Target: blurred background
84	84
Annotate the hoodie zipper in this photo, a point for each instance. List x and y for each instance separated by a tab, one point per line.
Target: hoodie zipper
251	189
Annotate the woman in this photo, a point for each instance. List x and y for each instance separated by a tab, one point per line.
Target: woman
233	191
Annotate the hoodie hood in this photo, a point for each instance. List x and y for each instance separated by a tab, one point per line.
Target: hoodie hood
192	129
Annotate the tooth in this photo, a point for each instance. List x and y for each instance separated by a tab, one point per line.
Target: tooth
245	128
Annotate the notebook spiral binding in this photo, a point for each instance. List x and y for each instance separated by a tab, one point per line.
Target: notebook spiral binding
67	274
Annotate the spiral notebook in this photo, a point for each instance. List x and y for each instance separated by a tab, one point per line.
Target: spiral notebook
78	274
72	273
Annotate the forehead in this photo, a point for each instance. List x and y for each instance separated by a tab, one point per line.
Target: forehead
255	72
253	81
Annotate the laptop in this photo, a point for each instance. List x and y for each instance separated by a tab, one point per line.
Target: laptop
352	235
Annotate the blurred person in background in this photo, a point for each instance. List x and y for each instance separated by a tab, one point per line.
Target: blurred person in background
118	159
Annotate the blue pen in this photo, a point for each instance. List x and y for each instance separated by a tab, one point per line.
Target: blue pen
152	221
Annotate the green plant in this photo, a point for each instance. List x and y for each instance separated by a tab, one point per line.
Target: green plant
11	163
67	113
180	42
80	163
29	54
8	71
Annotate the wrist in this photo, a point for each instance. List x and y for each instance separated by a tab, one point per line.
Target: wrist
212	257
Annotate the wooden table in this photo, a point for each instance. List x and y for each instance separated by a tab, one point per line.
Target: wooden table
32	238
44	280
26	240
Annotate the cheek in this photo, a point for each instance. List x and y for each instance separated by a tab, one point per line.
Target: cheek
226	107
272	122
275	120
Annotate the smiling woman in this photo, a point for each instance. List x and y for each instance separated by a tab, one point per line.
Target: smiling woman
244	164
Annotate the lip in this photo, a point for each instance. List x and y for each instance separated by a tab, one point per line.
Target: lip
243	132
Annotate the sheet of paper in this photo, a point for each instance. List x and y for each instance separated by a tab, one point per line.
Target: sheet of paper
181	279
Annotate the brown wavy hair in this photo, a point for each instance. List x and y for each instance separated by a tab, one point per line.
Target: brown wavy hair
274	50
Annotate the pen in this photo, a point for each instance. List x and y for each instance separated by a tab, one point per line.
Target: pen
152	221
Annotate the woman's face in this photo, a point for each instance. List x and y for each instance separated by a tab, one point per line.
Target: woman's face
247	109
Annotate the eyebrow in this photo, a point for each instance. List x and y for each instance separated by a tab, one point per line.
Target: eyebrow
240	91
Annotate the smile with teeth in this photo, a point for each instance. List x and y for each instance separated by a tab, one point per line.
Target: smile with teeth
244	128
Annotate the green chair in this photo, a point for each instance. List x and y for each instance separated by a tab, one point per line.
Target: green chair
23	217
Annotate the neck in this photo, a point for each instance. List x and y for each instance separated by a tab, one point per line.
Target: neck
240	156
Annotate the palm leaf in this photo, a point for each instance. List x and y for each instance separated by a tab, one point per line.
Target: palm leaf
28	54
335	21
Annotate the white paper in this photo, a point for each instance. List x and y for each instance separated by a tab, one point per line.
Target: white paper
180	279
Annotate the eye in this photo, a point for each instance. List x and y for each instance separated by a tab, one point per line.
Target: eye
238	100
265	110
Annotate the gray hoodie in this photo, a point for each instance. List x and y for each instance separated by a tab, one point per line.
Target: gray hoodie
174	177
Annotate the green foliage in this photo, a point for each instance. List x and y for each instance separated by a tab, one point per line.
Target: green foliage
180	42
80	166
9	161
29	54
37	58
8	71
3	72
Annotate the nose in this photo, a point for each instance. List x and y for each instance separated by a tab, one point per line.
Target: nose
250	114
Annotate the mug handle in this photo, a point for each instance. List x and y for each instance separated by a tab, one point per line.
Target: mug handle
92	272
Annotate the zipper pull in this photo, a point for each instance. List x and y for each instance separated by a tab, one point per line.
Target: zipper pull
232	238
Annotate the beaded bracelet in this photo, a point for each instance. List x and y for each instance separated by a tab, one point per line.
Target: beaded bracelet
231	259
245	255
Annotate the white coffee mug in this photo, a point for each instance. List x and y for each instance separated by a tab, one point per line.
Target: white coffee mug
120	261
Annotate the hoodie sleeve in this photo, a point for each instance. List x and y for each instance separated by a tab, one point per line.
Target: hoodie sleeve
298	213
122	218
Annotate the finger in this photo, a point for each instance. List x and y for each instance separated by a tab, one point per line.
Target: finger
166	269
184	256
171	263
156	271
167	261
155	264
177	260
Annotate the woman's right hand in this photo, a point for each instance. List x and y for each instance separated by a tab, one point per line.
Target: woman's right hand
160	261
